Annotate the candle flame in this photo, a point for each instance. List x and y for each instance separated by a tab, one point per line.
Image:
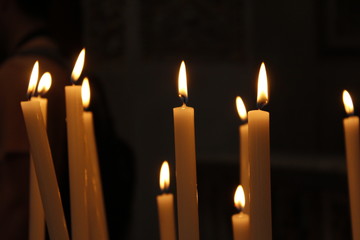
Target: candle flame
85	92
164	176
348	103
182	83
78	66
239	198
262	94
33	79
44	83
241	108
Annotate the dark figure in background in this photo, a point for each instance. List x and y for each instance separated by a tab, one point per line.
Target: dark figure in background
25	36
24	39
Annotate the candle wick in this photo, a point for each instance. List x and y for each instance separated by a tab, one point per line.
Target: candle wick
243	122
184	99
260	105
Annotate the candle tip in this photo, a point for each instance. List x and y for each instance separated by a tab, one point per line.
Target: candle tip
164	179
262	96
348	103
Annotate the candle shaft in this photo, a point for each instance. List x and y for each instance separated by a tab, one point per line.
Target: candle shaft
187	206
165	203
260	187
97	216
36	210
352	144
45	172
245	165
77	166
241	228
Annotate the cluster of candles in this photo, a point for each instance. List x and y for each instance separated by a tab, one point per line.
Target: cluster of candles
254	218
88	220
254	148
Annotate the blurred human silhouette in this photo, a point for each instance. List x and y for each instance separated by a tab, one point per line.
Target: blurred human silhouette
26	36
24	39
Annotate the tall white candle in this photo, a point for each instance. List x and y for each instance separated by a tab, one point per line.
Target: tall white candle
76	152
184	133
352	145
165	203
44	168
36	209
240	221
96	206
259	156
244	152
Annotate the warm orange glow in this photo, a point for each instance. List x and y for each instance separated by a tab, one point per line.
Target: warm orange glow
78	66
348	103
239	198
33	79
182	81
164	176
44	83
85	92
241	108
262	94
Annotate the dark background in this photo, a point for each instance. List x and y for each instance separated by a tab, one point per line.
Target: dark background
312	52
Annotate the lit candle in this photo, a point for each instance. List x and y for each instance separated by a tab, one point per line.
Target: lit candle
76	152
259	157
244	152
352	144
165	203
36	209
44	167
240	221
97	216
184	133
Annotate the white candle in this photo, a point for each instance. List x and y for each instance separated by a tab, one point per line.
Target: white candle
184	133
96	206
240	221
165	203
76	152
36	209
352	144
259	156
244	152
44	168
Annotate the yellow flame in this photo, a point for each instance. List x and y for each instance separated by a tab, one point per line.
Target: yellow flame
85	92
182	82
164	176
348	103
239	198
33	78
241	108
262	94
78	66
44	83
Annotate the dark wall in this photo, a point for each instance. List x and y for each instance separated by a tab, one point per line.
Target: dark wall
312	52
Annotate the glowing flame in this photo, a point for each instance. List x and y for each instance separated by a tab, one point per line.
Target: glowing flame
164	176
85	92
348	103
241	108
44	83
182	82
78	66
262	94
33	79
239	198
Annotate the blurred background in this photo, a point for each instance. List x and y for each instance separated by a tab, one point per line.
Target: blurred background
312	52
